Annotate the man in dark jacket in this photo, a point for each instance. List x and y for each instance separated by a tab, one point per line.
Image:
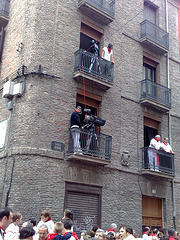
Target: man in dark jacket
75	129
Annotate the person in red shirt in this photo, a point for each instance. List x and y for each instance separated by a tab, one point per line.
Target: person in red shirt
171	234
57	231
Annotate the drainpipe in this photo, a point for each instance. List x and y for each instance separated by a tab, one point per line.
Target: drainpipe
169	119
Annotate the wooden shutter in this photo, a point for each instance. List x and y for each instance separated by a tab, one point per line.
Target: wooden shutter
151	123
151	212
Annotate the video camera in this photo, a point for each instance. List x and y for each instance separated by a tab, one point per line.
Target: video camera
91	120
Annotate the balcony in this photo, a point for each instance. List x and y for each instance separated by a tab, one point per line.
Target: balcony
4	12
89	147
155	95
157	163
94	70
100	10
154	37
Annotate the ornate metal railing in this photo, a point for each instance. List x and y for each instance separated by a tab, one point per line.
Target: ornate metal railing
91	143
157	160
156	92
154	33
94	65
107	6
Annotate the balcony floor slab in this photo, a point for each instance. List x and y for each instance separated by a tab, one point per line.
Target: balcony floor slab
93	80
157	173
153	103
94	12
87	159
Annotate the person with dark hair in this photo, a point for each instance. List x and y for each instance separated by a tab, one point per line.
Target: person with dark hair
33	223
126	233
67	228
94	229
107	54
145	233
46	219
171	234
90	233
5	219
68	214
75	129
12	231
110	236
26	233
57	231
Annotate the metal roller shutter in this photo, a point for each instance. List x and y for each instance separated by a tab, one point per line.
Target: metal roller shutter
85	206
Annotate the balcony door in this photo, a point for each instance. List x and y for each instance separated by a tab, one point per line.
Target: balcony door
151	129
149	74
92	103
87	34
149	12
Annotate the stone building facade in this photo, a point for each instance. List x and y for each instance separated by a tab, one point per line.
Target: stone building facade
38	53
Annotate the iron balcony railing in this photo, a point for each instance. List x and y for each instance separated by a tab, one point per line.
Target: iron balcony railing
91	143
156	92
4	7
93	65
157	160
155	34
107	6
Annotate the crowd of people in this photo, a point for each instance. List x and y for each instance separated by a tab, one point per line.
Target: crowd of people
63	230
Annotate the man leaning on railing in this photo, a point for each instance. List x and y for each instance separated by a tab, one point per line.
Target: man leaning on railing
107	54
153	156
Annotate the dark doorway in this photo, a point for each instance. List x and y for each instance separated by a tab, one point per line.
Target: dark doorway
149	133
82	116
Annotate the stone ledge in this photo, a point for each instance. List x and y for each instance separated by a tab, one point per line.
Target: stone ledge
33	151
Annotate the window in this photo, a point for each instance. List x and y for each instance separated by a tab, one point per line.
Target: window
85	202
150	77
149	72
150	69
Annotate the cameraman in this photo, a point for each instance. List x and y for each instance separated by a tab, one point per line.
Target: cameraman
75	129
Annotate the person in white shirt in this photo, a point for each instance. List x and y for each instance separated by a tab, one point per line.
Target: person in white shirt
5	219
45	219
153	156
107	54
166	146
12	231
167	157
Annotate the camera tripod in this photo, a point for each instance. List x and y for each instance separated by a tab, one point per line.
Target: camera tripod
94	59
94	143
